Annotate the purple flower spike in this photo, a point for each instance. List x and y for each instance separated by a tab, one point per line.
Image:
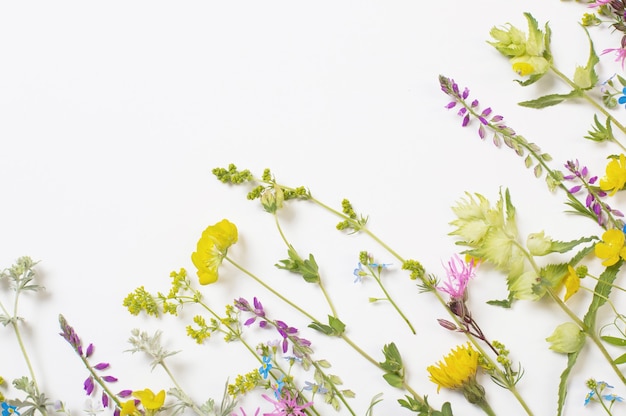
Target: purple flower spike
89	350
124	393
88	385
105	400
109	379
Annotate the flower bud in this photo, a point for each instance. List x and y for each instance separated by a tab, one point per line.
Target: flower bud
566	338
538	244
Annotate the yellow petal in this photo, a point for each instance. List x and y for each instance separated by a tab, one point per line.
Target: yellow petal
572	283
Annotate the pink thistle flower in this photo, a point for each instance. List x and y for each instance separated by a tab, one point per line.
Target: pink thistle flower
287	406
620	54
459	272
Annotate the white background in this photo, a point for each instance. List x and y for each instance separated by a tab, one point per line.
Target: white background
113	114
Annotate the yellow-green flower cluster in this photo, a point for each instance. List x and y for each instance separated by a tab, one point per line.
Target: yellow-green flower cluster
211	249
244	383
528	55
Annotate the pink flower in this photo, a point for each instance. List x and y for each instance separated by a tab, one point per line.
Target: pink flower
287	406
459	272
619	52
599	3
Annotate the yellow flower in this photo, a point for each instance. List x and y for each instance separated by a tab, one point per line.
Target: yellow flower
615	176
457	368
212	248
572	283
128	408
149	400
611	248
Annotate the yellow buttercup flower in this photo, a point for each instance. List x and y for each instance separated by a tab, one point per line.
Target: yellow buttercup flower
611	248
128	408
571	282
457	368
149	400
615	176
212	248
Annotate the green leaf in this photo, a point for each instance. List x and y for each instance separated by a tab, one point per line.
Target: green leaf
565	246
336	324
308	269
621	359
586	77
571	360
602	290
393	380
551	99
620	342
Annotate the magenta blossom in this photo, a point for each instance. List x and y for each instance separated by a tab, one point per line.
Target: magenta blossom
287	406
459	272
620	54
599	3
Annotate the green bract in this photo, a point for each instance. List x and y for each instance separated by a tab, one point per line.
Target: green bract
566	338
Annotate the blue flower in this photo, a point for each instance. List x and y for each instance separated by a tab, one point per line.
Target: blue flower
315	388
278	388
622	99
612	398
8	410
264	370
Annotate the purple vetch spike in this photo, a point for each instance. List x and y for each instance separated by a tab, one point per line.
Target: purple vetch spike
450	105
124	393
486	112
481	131
575	189
474	103
462	111
497	118
109	379
466	120
105	400
89	351
589	200
593	180
465	93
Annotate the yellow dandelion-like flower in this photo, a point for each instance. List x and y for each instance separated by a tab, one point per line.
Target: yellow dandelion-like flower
456	369
212	248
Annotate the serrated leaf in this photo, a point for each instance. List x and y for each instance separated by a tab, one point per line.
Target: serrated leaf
586	77
565	246
551	99
620	342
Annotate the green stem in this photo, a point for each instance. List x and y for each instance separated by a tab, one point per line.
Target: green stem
486	408
594	103
319	282
591	334
388	298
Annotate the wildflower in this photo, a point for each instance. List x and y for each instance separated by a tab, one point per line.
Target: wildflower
315	388
264	370
538	244
615	176
8	410
211	249
526	53
149	400
456	369
611	248
278	387
459	273
598	387
572	282
622	99
258	311
243	412
620	54
287	406
599	3
129	408
566	338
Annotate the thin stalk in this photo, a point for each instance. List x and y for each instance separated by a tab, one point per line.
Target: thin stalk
594	103
395	306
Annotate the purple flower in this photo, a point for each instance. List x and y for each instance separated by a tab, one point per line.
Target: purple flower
89	385
101	366
70	335
258	311
458	273
109	379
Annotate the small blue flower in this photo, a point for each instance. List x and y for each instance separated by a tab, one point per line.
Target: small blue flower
264	370
622	99
8	410
612	398
315	388
359	273
278	388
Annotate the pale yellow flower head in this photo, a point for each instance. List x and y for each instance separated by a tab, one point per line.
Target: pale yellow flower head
457	368
149	400
212	248
615	176
566	338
